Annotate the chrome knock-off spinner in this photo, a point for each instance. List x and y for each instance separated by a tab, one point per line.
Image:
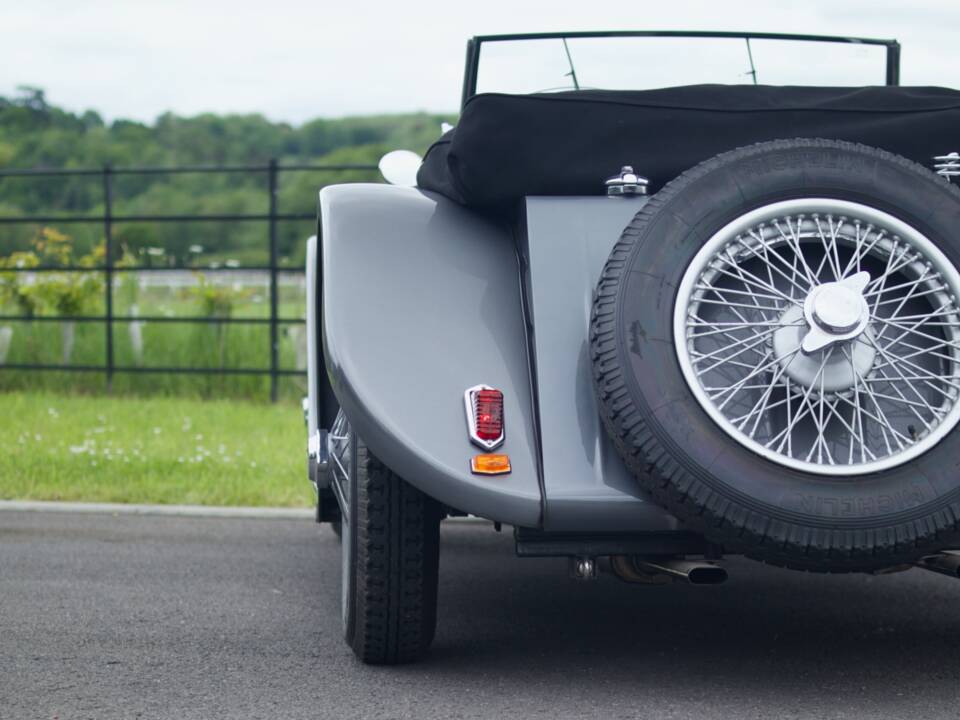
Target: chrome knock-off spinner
836	311
840	371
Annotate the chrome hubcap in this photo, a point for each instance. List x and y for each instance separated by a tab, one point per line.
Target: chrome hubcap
835	311
803	368
824	335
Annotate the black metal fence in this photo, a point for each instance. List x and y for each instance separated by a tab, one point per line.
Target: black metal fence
108	219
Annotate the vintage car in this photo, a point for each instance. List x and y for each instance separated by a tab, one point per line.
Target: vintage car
646	328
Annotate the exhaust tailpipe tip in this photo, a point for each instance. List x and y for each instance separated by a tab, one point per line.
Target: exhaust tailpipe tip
695	572
707	575
945	563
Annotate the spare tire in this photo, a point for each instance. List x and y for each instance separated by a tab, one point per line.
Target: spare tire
776	351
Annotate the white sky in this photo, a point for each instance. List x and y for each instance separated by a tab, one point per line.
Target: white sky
297	59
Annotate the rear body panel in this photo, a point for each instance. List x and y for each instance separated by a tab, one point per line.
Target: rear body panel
421	298
587	486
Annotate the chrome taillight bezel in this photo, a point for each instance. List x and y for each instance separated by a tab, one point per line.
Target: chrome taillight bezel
470	407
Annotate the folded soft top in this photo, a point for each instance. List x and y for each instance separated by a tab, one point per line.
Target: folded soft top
506	147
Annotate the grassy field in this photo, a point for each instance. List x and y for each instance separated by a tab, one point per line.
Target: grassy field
162	344
158	450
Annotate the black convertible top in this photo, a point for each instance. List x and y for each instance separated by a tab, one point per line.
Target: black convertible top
508	146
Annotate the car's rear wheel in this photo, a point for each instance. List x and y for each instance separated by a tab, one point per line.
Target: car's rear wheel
390	536
776	344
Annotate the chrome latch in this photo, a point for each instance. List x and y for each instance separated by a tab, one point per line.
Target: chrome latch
948	166
626	183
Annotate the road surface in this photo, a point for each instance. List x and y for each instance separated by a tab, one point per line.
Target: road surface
160	617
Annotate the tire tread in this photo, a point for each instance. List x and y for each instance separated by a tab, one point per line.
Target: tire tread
396	565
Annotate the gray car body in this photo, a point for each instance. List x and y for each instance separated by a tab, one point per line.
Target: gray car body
422	299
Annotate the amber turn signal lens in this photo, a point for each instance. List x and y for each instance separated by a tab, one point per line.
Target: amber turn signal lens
490	464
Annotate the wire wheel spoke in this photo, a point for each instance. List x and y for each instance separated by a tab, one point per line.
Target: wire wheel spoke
824	335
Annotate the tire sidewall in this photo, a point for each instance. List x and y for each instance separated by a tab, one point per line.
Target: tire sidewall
662	251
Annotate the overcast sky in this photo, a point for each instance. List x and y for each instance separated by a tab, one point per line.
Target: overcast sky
298	59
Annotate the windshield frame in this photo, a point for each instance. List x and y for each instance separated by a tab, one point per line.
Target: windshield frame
475	43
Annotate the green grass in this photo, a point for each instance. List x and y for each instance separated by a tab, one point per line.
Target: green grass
158	450
165	344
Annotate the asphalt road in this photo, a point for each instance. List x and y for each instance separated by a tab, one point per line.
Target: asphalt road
158	617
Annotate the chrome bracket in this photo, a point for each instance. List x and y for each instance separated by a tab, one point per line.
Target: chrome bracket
583	568
626	183
948	166
318	458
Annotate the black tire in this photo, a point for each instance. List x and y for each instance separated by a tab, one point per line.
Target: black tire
392	540
680	455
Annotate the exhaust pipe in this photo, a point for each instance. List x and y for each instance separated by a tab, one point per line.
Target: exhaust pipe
945	563
693	571
657	570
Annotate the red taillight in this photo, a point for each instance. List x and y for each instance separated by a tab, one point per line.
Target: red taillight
489	414
484	406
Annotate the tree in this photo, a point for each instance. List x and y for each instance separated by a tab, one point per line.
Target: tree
34	133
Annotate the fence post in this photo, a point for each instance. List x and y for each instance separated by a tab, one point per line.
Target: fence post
108	266
274	294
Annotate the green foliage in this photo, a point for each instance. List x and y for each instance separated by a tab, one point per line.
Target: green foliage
13	291
35	133
164	344
67	293
70	293
217	300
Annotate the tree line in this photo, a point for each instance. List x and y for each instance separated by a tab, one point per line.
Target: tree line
35	133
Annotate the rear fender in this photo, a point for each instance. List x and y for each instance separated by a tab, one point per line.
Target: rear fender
420	299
